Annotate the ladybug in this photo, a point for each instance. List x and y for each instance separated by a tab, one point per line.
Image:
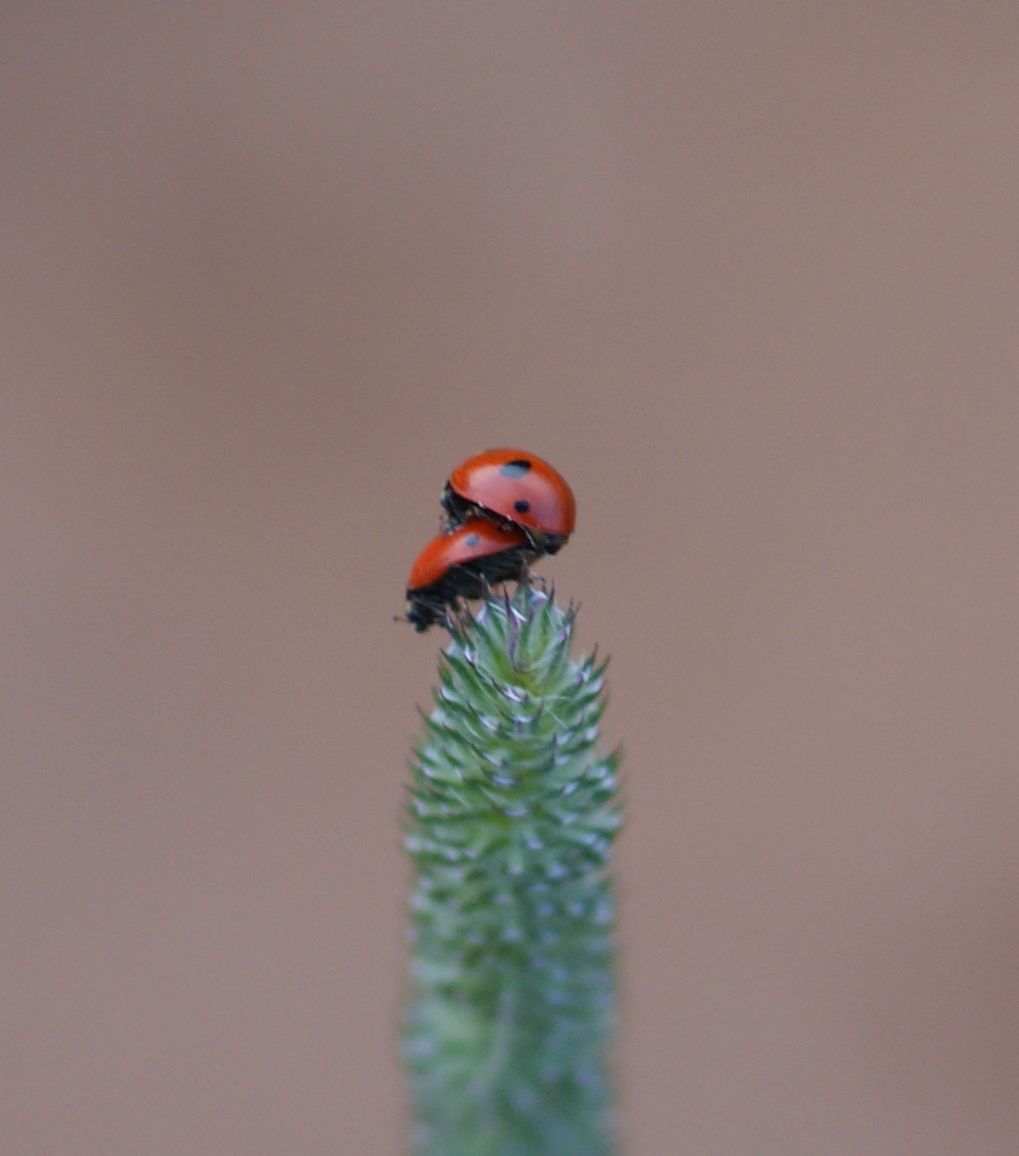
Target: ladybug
517	489
460	564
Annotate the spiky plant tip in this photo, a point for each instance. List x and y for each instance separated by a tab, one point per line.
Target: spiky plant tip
511	822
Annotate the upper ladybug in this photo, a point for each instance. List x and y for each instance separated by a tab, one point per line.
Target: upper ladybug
516	488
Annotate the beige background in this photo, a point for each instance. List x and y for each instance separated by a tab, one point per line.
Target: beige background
747	273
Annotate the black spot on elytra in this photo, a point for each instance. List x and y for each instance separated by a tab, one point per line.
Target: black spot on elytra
521	506
515	468
471	540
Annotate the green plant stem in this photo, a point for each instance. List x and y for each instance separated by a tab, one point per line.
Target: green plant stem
512	817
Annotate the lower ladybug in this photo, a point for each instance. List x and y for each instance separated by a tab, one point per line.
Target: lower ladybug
514	488
461	564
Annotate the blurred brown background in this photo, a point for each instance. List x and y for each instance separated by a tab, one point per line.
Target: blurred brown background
747	274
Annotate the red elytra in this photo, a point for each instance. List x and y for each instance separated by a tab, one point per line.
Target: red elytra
516	488
461	564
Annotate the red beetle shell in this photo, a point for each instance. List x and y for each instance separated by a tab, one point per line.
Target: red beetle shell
518	488
460	564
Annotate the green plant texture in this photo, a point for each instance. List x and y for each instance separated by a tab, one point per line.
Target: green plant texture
512	816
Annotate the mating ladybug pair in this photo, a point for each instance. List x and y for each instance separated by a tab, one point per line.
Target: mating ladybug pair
504	508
